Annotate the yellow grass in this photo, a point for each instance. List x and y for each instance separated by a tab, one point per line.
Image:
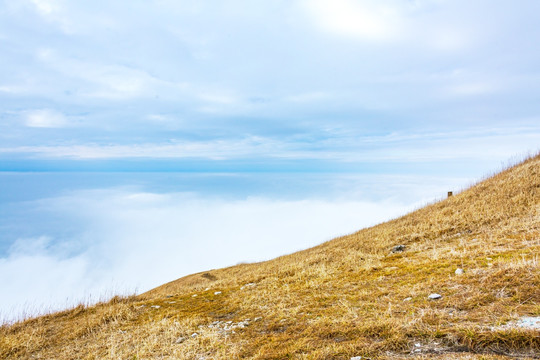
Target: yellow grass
341	299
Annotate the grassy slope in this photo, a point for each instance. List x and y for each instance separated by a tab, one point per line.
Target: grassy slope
341	299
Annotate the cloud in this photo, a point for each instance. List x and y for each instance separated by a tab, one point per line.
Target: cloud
365	20
469	144
44	118
212	150
106	81
204	61
45	7
139	240
472	89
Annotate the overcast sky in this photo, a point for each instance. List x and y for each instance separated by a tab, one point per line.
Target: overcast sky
339	81
281	123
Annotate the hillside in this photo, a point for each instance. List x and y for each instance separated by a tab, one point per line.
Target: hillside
357	295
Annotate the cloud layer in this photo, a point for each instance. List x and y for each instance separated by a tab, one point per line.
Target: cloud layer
133	241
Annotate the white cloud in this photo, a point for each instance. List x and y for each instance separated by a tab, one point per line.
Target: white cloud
44	118
351	147
450	39
189	149
71	18
473	88
45	7
11	89
134	240
366	20
107	81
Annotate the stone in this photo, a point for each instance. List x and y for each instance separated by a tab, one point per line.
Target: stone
155	306
459	271
407	299
194	335
194	295
434	296
399	248
528	322
180	340
247	285
217	293
357	358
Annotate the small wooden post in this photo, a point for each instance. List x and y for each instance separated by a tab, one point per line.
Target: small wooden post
450	193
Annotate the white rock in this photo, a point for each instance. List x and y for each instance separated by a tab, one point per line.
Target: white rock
194	295
434	296
155	306
407	299
528	322
459	271
180	340
217	293
194	335
357	358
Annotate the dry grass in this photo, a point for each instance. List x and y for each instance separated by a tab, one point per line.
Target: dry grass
341	299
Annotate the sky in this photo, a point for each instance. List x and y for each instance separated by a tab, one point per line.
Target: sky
126	127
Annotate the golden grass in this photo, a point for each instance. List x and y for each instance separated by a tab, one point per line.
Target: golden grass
347	297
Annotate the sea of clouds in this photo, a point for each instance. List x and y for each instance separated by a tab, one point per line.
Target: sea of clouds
101	242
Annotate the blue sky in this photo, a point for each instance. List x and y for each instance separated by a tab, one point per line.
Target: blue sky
127	127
